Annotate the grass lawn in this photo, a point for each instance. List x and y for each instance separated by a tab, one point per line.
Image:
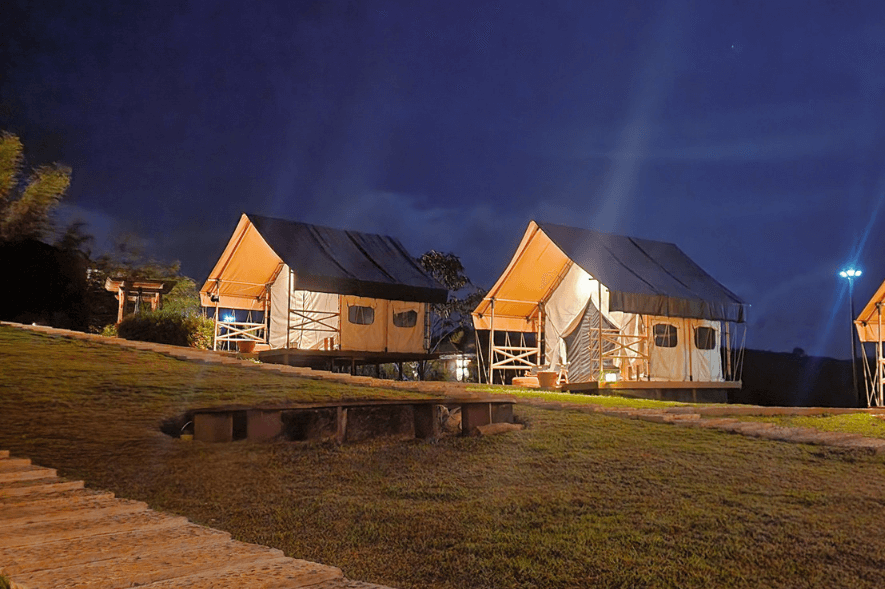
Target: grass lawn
574	500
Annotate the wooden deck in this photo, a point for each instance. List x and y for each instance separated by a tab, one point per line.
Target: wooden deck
688	392
329	359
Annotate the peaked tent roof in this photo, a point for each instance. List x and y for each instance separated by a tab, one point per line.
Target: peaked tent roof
323	260
645	276
867	322
642	276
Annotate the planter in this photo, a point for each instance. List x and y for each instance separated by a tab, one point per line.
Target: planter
547	379
246	347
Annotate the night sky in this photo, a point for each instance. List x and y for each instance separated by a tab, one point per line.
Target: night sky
748	133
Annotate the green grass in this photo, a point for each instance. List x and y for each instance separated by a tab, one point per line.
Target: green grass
603	400
853	423
574	500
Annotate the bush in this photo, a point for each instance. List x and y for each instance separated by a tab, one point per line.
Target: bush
165	327
109	330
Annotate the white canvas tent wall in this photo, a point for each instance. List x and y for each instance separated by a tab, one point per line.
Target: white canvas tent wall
870	325
558	273
322	288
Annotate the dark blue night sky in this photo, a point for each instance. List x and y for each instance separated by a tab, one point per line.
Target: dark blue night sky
749	133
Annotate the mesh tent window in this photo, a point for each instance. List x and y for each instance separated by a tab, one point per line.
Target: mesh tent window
665	335
705	338
359	315
405	319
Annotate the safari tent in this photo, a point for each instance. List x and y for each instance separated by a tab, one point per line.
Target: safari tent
609	310
293	286
869	325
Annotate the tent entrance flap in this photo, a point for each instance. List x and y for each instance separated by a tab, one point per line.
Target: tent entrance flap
302	319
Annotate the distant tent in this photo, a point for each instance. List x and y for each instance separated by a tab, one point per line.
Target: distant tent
610	307
285	284
870	325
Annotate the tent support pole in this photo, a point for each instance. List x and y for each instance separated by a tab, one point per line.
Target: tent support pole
288	309
689	332
880	388
479	363
492	345
217	309
540	323
728	350
599	375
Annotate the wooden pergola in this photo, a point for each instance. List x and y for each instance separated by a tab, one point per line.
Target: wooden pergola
138	292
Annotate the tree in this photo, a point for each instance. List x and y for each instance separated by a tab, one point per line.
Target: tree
453	315
450	320
27	203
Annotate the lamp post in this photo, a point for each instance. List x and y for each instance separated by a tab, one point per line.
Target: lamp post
850	274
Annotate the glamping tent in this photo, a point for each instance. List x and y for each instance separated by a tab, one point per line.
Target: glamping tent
607	309
869	325
294	286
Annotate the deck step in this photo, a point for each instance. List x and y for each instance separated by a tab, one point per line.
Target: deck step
154	564
26	473
81	513
79	527
51	500
38	487
285	572
117	545
9	463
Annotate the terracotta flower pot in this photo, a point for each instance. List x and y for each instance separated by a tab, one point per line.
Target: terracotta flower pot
547	379
246	347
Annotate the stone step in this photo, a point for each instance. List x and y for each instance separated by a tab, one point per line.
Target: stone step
38	487
82	513
26	473
155	563
7	463
118	545
287	572
38	533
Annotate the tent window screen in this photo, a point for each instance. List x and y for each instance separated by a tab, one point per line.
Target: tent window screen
360	315
405	319
705	338
665	335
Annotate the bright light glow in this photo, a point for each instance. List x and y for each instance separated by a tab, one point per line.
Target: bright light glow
229	319
611	377
850	273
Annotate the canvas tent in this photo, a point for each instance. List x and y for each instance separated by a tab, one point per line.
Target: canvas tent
870	325
607	306
293	285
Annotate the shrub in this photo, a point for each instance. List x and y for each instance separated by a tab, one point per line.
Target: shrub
166	327
109	330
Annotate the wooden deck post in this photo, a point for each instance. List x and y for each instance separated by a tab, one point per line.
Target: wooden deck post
341	421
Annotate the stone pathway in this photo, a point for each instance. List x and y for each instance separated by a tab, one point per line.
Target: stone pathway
721	417
56	533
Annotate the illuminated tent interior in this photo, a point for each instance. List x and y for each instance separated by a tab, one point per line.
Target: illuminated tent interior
284	284
606	307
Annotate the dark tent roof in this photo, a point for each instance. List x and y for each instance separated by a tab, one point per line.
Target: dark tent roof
645	276
348	262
